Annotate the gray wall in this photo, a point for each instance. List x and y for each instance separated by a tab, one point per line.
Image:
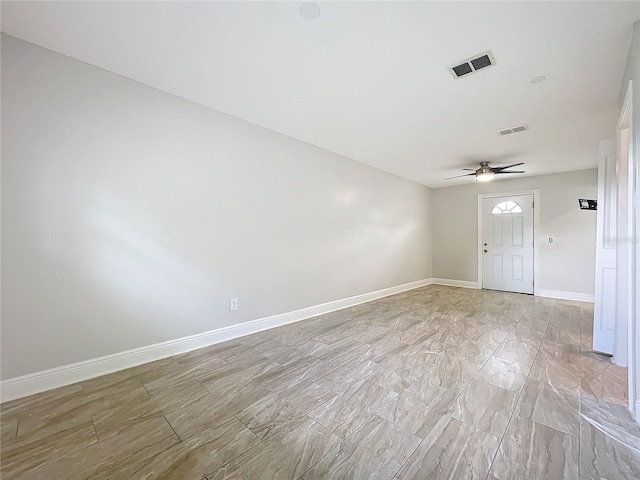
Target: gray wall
131	216
568	264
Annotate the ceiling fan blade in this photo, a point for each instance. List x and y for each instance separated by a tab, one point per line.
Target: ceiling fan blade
513	171
496	169
470	169
458	176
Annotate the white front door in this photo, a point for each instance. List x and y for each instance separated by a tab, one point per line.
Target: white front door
507	243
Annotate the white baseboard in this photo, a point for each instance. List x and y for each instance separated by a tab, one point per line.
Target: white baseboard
454	283
23	386
578	297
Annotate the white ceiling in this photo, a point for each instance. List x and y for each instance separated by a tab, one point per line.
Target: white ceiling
369	80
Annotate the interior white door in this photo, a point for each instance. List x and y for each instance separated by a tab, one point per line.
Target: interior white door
624	257
507	243
604	314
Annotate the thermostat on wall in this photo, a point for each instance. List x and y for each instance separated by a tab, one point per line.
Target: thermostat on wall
588	204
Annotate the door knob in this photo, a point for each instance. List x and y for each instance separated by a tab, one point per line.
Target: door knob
485	250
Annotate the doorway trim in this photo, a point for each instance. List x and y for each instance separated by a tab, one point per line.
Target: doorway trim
632	247
536	230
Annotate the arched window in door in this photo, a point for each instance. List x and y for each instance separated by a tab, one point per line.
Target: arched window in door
506	207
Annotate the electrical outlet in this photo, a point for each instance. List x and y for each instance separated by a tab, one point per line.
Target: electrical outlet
409	273
233	304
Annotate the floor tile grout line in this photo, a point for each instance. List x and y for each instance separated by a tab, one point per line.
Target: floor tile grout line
313	379
580	408
15	435
37	439
95	430
495	455
222	465
333	449
482	366
174	431
409	457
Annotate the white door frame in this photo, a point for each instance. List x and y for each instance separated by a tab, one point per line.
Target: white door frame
630	351
536	230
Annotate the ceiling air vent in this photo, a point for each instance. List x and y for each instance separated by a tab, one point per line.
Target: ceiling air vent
507	131
472	64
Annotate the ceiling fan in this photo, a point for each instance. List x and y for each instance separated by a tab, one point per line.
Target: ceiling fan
485	173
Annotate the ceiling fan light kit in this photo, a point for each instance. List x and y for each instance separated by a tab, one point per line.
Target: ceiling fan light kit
485	177
484	173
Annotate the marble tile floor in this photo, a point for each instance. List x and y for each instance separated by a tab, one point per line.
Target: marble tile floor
434	383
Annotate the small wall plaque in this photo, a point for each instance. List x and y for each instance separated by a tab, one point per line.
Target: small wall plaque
588	204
